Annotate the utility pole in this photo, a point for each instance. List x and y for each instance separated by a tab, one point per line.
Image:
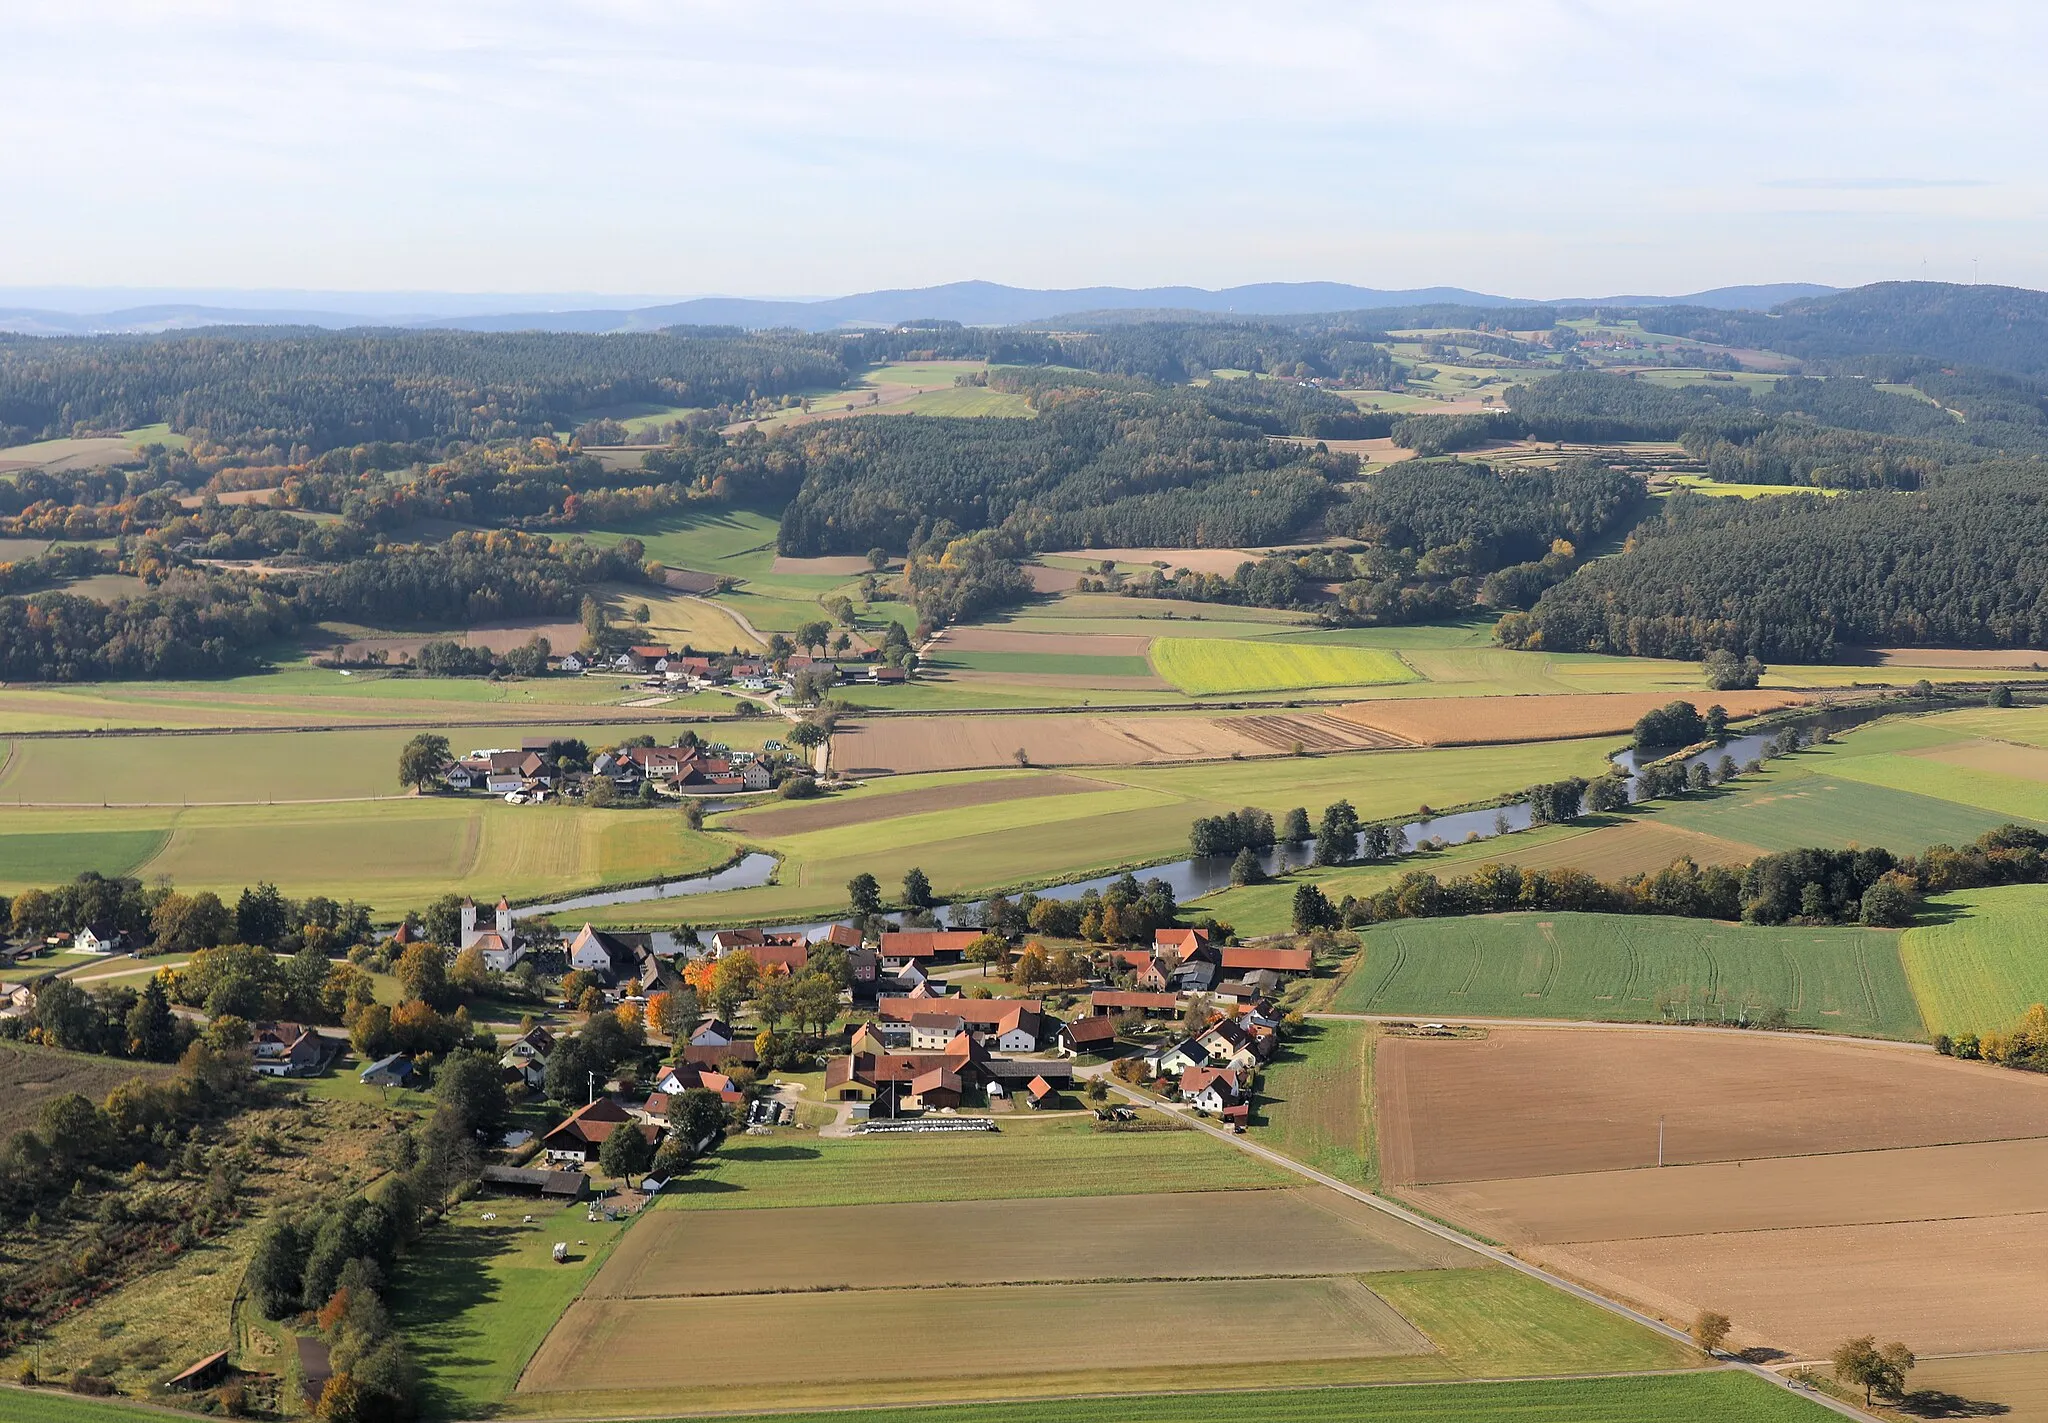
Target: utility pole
1660	1143
592	1075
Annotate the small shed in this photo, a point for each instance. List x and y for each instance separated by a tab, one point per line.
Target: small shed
204	1374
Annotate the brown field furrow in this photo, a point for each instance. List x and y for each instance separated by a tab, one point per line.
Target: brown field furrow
2014	1383
1995	658
858	1337
1926	1183
838	565
854	810
1939	1286
1460	721
1195	560
996	639
958	743
1535	1101
1183	1236
1313	733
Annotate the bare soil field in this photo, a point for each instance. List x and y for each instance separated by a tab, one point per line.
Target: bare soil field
497	636
688	580
1462	721
1939	1285
1991	1178
1046	579
1544	1101
959	743
1631	848
1195	560
860	1337
1996	658
856	810
996	639
1182	1236
2017	1384
1311	732
228	497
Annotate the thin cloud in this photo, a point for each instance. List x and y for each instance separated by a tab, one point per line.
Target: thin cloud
1875	185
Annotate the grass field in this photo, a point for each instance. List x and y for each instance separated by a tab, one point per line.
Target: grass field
1701	484
475	1298
392	854
1208	666
1052	1158
1315	1101
1986	963
1633	968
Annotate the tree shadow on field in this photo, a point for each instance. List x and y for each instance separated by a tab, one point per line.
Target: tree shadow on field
767	1153
1761	1354
447	1276
1933	1403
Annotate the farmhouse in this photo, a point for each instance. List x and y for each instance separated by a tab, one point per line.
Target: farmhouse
715	1041
1006	1024
499	943
1239	1047
617	961
1091	1034
578	1137
286	1049
789	952
894	1077
1152	1005
1179	943
1283	961
526	1059
1215	1089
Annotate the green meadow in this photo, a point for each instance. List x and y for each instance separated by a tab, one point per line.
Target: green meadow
1983	960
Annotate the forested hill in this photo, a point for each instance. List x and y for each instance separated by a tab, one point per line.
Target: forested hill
1128	466
1962	563
2005	328
305	392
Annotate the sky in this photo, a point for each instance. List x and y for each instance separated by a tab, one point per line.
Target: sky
1537	148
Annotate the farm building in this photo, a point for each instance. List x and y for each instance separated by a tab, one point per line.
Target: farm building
286	1049
1152	1005
392	1071
1006	1024
1090	1034
528	1181
579	1135
908	946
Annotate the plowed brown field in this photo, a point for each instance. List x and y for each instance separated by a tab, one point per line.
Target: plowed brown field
1462	721
1543	1101
993	639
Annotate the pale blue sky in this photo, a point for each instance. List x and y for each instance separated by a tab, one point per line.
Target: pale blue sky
1530	147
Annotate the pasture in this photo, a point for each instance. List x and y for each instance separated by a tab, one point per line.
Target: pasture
1211	666
1983	961
1633	968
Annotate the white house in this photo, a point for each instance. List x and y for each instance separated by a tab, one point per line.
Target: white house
499	943
571	662
930	1032
97	939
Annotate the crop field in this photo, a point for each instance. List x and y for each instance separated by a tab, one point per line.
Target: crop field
1984	961
1058	1157
736	542
1798	802
676	619
1315	1101
910	795
1179	1236
1714	488
1207	666
31	1076
1453	721
1615	848
391	854
1550	1101
2014	1384
1072	739
1633	968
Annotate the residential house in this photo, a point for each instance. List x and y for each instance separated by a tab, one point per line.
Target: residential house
1215	1089
647	658
938	1089
1155	977
572	663
930	1032
1232	1045
581	1134
1179	943
716	1041
1089	1034
890	1077
617	961
392	1071
286	1049
499	943
100	938
1176	1058
527	1056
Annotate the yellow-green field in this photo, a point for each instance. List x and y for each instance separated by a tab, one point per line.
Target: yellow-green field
1211	666
1984	961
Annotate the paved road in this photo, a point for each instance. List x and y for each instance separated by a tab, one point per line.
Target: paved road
1498	1257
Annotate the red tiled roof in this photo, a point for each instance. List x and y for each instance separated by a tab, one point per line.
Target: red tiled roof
922	943
1279	960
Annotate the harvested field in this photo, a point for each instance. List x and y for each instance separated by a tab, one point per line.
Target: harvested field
996	639
2013	1387
1311	732
1458	721
1182	1236
1636	846
1537	1101
688	580
2015	658
1195	560
1995	1178
1997	758
907	744
1943	1285
1045	579
961	1333
858	810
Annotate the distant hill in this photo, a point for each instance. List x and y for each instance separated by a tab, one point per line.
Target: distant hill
970	303
2001	327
